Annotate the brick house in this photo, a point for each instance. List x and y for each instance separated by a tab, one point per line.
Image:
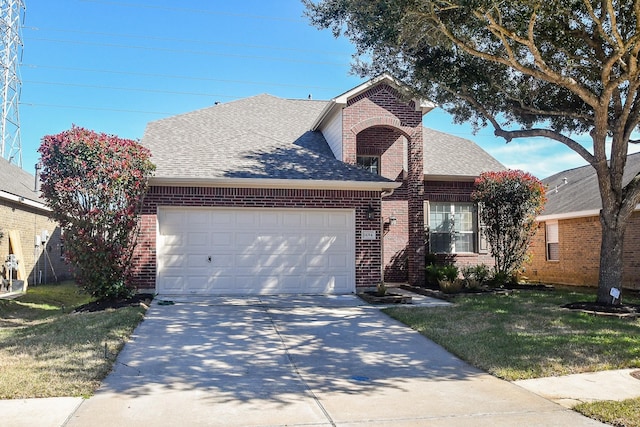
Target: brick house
24	221
269	195
566	248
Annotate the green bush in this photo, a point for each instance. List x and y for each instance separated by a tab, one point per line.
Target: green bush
434	274
475	276
501	279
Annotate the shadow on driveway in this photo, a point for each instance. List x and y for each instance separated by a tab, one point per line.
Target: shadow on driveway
299	361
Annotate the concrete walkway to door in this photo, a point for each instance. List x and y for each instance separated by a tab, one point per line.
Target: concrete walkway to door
300	361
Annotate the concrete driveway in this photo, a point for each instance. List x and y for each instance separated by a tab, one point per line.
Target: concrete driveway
300	361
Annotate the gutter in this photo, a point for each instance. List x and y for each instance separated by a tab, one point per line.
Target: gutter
24	201
275	183
572	215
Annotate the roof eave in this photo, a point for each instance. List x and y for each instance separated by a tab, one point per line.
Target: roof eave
24	201
422	105
434	177
573	215
301	184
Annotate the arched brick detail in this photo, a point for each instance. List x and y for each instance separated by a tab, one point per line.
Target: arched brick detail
383	107
385	121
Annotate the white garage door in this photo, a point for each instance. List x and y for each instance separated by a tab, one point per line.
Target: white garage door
255	251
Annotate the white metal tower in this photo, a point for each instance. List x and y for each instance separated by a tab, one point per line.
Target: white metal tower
11	12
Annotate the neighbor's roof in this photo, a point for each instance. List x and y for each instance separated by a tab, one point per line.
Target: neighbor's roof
258	137
17	182
447	155
580	195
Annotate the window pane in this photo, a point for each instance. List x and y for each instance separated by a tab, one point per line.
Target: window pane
464	242
440	242
369	163
553	251
464	217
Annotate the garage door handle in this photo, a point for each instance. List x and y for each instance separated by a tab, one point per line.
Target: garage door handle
209	259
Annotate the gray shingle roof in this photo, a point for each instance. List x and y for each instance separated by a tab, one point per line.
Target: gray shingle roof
257	137
18	182
581	192
449	155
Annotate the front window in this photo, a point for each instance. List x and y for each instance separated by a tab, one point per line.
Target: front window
370	163
451	227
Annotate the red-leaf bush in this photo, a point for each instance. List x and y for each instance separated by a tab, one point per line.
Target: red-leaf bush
509	203
94	184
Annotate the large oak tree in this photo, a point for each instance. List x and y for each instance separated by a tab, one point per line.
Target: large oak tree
529	68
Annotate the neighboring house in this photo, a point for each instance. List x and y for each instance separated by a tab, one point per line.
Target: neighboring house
24	223
566	248
268	195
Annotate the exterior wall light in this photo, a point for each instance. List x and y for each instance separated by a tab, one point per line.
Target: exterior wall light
393	220
371	213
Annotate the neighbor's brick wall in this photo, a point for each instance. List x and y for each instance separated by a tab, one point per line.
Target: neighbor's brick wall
29	222
579	253
368	262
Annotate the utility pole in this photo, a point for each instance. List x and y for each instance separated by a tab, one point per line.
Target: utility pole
11	18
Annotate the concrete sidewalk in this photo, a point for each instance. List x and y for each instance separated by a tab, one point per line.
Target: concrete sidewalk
312	361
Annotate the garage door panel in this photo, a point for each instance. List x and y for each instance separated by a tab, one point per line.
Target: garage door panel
315	219
173	283
221	218
292	219
337	220
198	260
195	239
337	262
221	238
246	218
171	222
256	251
197	283
174	260
173	240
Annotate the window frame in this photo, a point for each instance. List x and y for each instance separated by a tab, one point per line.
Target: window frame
552	237
366	167
454	209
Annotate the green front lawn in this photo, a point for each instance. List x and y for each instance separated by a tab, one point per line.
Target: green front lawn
527	334
47	350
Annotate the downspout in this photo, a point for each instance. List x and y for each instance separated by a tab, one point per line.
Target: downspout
384	194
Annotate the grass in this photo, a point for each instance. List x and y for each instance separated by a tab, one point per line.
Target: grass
48	351
621	414
526	334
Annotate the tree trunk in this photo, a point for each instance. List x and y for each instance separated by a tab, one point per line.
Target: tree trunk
611	255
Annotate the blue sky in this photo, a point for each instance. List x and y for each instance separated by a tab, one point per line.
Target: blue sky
114	66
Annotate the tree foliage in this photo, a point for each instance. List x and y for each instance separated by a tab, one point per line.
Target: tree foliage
94	183
529	68
509	201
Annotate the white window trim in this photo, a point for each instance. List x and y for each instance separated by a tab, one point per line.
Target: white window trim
551	236
474	225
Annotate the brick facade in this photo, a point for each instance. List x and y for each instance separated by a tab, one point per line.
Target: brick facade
29	222
368	260
579	253
379	122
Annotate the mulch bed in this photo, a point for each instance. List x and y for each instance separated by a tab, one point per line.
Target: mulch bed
622	310
134	301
